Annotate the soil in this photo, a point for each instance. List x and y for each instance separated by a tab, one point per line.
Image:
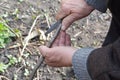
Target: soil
20	14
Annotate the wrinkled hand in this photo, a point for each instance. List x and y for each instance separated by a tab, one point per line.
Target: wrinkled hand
59	56
72	10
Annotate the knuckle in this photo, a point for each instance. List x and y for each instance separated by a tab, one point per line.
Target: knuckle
50	59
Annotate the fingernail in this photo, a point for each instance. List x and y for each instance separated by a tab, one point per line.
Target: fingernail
63	28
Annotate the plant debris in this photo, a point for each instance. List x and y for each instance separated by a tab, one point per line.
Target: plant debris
25	21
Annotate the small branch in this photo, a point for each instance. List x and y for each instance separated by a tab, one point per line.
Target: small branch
26	41
40	60
47	19
3	77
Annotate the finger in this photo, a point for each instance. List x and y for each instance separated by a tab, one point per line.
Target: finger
56	42
44	50
62	38
60	14
68	40
67	21
63	12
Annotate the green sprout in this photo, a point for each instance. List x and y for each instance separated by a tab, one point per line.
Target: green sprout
12	60
3	67
5	35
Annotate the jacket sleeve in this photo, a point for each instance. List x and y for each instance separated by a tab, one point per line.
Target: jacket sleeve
79	61
104	63
100	5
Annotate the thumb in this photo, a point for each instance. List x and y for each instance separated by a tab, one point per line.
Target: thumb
67	21
44	50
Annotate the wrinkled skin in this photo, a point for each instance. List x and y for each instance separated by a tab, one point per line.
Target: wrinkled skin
60	55
72	10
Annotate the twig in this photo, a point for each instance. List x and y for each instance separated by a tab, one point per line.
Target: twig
4	8
29	50
38	74
40	60
19	69
47	19
26	41
3	77
19	45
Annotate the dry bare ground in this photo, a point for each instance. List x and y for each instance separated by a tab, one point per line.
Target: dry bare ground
20	14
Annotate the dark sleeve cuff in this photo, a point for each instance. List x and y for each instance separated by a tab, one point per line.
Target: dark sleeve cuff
100	5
